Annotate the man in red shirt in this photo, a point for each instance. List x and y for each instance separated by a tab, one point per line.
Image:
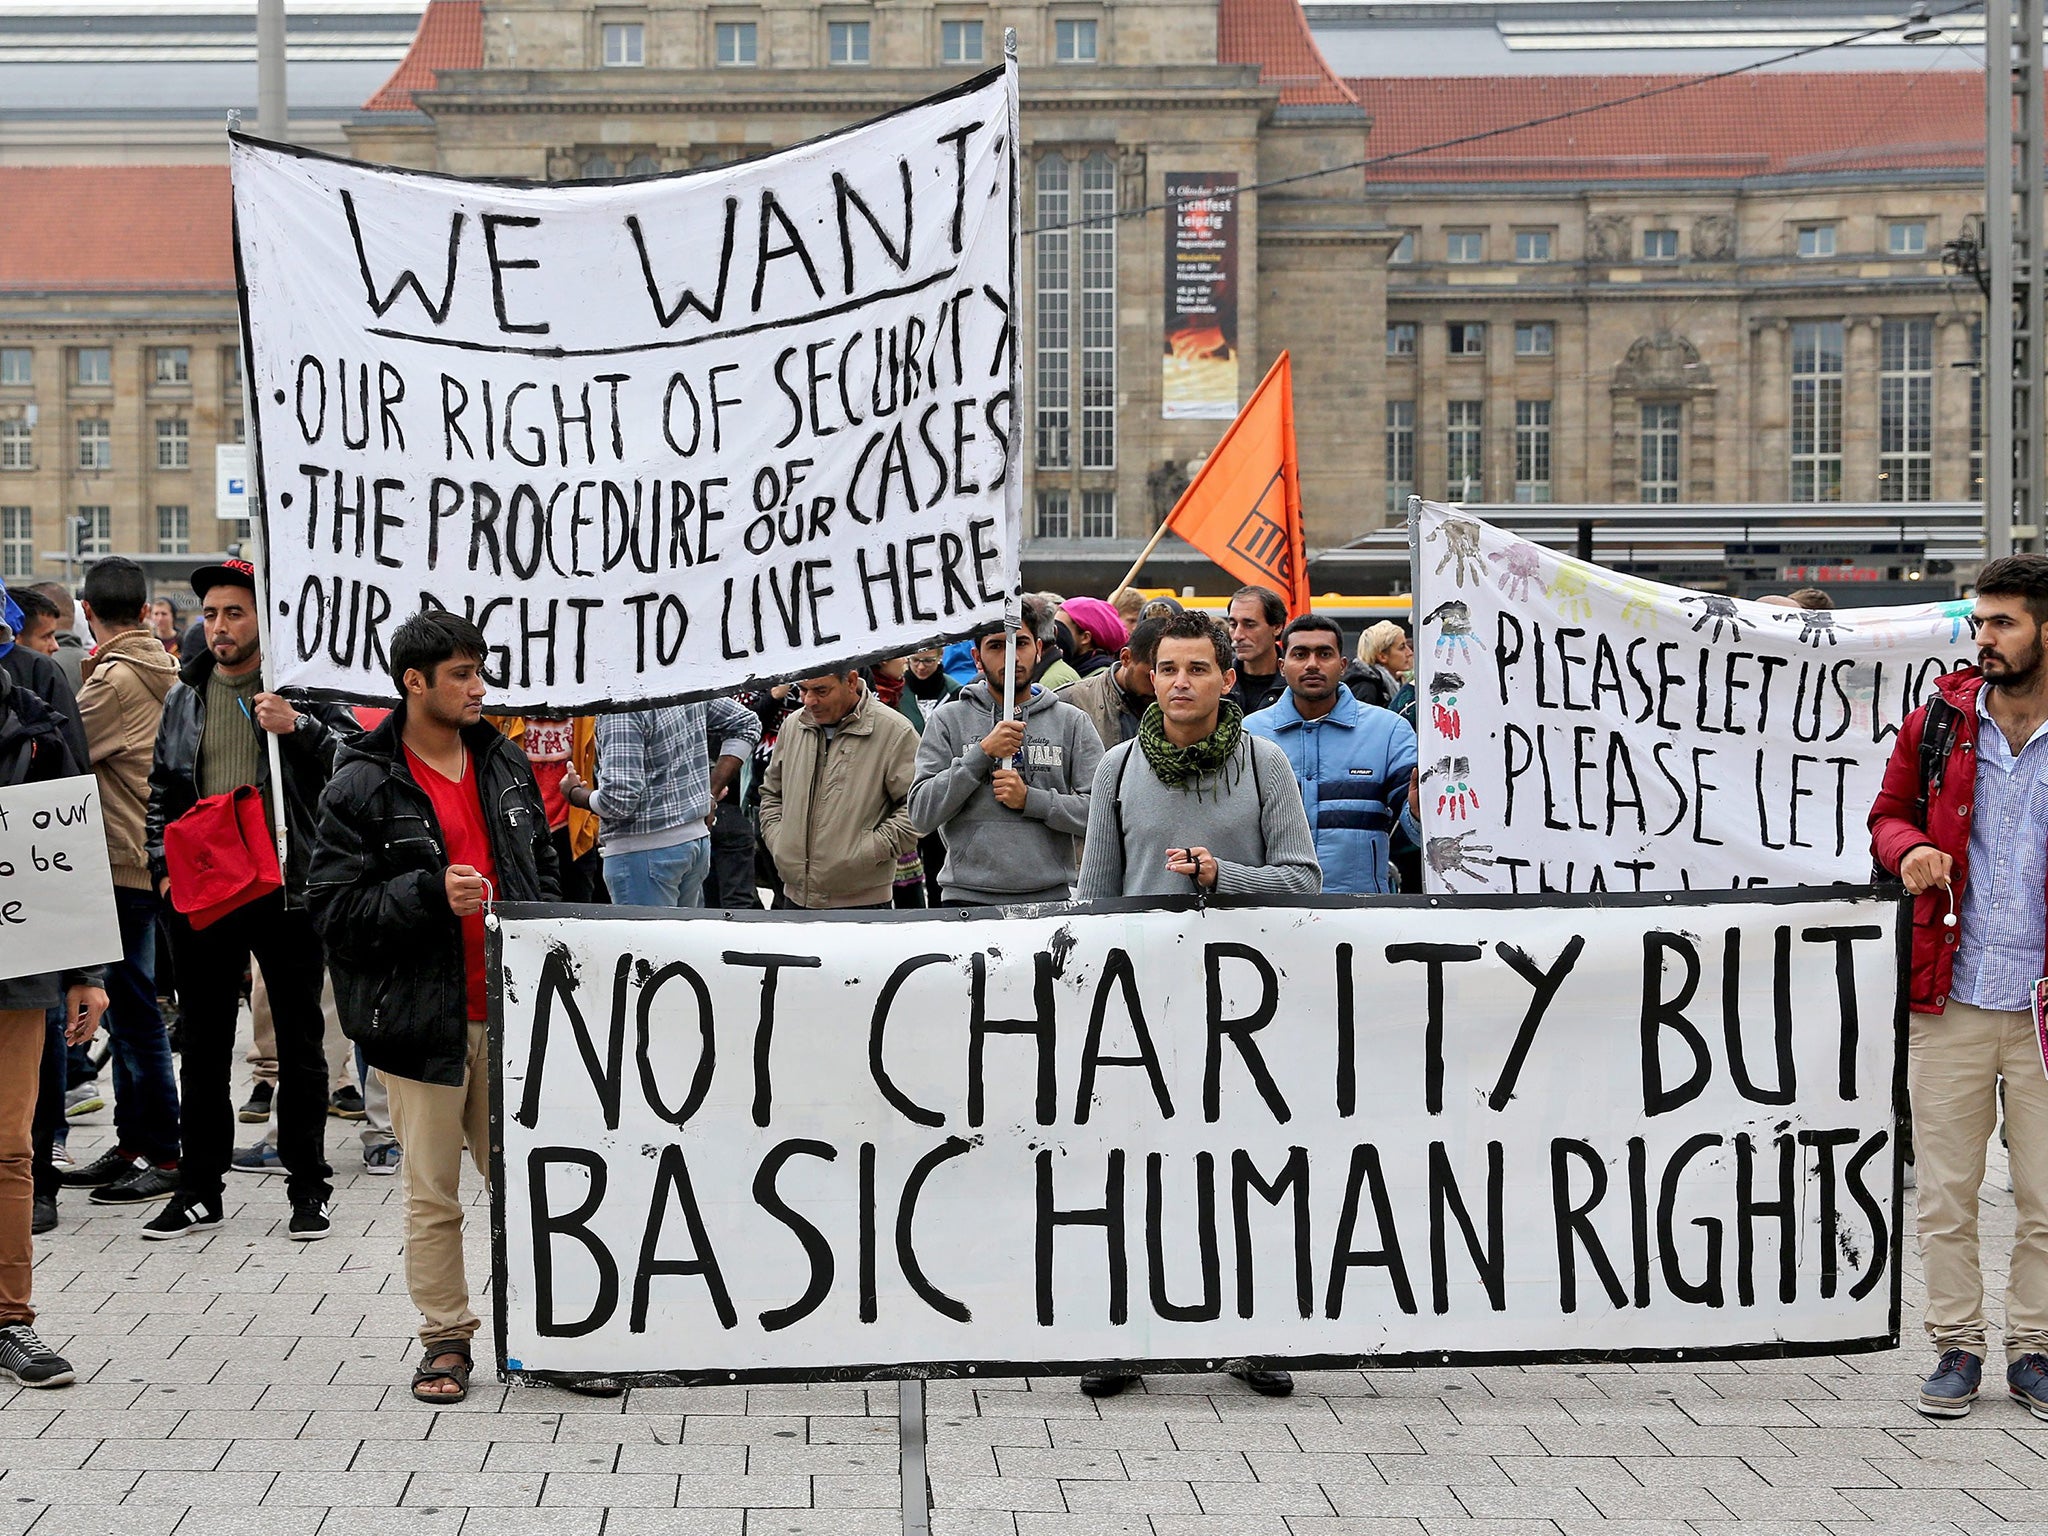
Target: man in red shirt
428	818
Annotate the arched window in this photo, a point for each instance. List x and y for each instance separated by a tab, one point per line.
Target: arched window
643	164
597	167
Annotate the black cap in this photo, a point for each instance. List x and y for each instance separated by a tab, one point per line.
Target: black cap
229	573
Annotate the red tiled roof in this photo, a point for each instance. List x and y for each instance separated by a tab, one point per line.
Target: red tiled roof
100	227
451	36
1274	35
1763	124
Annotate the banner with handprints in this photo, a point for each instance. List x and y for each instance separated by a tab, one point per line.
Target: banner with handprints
1581	729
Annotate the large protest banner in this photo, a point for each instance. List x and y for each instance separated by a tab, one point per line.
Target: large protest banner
1584	730
737	1146
56	888
658	436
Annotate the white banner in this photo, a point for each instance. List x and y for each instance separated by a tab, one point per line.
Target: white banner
658	437
56	889
1322	1131
1581	730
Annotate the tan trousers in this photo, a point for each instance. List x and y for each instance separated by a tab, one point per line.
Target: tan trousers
434	1124
1957	1058
21	1055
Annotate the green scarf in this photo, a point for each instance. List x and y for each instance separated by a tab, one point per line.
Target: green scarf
1180	767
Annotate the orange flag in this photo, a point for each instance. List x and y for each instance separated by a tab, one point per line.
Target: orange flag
1244	508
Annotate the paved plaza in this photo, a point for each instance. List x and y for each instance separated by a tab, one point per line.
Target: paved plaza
244	1385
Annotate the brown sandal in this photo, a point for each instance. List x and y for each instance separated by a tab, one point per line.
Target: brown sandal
428	1372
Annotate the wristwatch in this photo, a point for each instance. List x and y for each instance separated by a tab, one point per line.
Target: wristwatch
305	725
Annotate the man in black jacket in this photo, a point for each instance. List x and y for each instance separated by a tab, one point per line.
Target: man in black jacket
212	739
429	816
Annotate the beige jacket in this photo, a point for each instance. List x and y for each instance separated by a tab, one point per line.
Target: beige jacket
121	700
835	815
1098	697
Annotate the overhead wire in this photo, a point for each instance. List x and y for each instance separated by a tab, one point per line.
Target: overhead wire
1648	93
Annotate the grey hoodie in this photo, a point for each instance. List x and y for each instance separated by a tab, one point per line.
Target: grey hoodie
995	855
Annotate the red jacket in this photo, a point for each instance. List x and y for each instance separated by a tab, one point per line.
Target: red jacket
1893	833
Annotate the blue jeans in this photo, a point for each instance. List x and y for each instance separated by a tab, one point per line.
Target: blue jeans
145	1081
660	877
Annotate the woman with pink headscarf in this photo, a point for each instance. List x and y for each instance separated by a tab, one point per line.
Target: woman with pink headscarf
1095	633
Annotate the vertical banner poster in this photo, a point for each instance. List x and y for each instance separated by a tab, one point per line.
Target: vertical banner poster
1200	362
658	437
56	888
1583	730
1317	1132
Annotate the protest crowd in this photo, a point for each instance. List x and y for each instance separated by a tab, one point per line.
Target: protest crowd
1100	749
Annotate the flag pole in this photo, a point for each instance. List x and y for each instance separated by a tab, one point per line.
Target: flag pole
1143	555
270	741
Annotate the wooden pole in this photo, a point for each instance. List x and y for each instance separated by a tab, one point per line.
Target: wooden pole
1143	555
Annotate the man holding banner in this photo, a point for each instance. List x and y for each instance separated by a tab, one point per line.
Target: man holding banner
1963	821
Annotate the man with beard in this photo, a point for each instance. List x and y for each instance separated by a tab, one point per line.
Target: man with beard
1195	804
1351	760
1962	819
1255	617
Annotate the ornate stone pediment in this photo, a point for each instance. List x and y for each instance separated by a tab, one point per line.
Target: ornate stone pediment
1713	237
1607	237
1662	363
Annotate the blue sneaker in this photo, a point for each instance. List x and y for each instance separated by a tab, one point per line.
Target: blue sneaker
382	1160
1948	1393
261	1158
2027	1380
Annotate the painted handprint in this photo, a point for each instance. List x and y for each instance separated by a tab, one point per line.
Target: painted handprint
1454	639
1461	548
1717	610
1641	604
1456	798
1454	855
1519	564
1568	590
1444	688
1814	626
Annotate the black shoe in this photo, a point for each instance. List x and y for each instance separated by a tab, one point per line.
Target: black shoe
1267	1383
185	1215
346	1104
109	1167
29	1360
1105	1383
257	1110
309	1221
42	1215
143	1186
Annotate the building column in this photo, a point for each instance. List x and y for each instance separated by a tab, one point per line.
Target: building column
1954	372
1859	408
1770	410
1430	394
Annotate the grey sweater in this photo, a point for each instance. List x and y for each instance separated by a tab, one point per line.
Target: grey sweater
995	855
1249	818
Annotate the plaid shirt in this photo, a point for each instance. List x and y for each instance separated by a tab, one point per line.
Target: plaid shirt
654	765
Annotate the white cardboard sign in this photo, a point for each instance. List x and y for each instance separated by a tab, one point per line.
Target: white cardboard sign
657	437
1325	1131
56	888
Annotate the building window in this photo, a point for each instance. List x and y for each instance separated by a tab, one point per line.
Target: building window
1073	42
1816	240
846	42
1401	339
234	367
17	542
95	531
1467	338
235	429
1907	239
1660	245
597	167
1464	245
960	42
93	365
174	530
1400	454
1098	514
17	445
1532	450
1533	338
95	444
643	164
625	44
17	365
173	445
173	365
1817	410
1532	245
1055	515
1464	471
1905	411
1075	269
1658	462
1404	249
736	43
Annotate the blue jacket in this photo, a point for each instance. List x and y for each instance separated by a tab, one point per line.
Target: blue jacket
1353	767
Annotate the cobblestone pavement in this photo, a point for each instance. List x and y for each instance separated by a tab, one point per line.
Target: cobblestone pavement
244	1385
